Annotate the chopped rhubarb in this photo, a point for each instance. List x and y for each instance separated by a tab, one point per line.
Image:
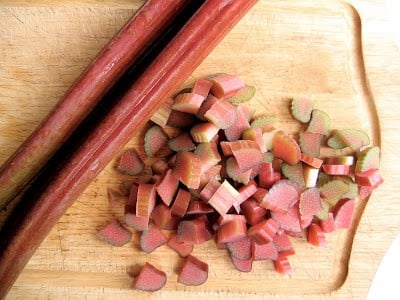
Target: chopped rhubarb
371	178
282	265
255	134
324	213
234	132
181	203
204	132
222	114
202	87
253	212
263	232
310	143
335	142
311	161
267	176
182	142
336	169
234	172
294	173
180	119
310	176
301	109
192	231
309	204
347	160
226	85
283	244
160	166
333	190
167	186
130	163
242	265
319	123
146	200
161	116
265	122
267	251
114	234
367	159
247	154
188	103
232	230
199	207
246	191
280	197
240	249
223	198
268	137
151	239
209	189
289	221
205	106
208	154
286	148
344	214
183	249
193	271
243	95
187	166
154	140
149	279
353	138
328	225
316	236
163	217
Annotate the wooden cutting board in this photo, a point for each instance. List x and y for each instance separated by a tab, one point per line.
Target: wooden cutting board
284	49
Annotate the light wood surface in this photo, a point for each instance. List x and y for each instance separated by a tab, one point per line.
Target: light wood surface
312	48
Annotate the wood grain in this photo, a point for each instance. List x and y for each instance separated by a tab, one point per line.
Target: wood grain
284	50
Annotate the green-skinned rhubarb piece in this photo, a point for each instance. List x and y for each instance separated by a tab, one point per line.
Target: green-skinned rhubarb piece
333	190
264	122
268	157
354	138
155	138
310	143
353	190
294	172
322	179
324	212
335	142
243	95
182	142
368	159
319	123
301	109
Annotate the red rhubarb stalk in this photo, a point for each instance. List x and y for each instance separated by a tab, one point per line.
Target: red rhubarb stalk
110	64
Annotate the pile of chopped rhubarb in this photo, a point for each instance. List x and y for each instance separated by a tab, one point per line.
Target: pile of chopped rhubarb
239	180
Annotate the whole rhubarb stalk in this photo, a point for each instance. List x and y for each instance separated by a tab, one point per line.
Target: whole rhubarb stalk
176	62
111	63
